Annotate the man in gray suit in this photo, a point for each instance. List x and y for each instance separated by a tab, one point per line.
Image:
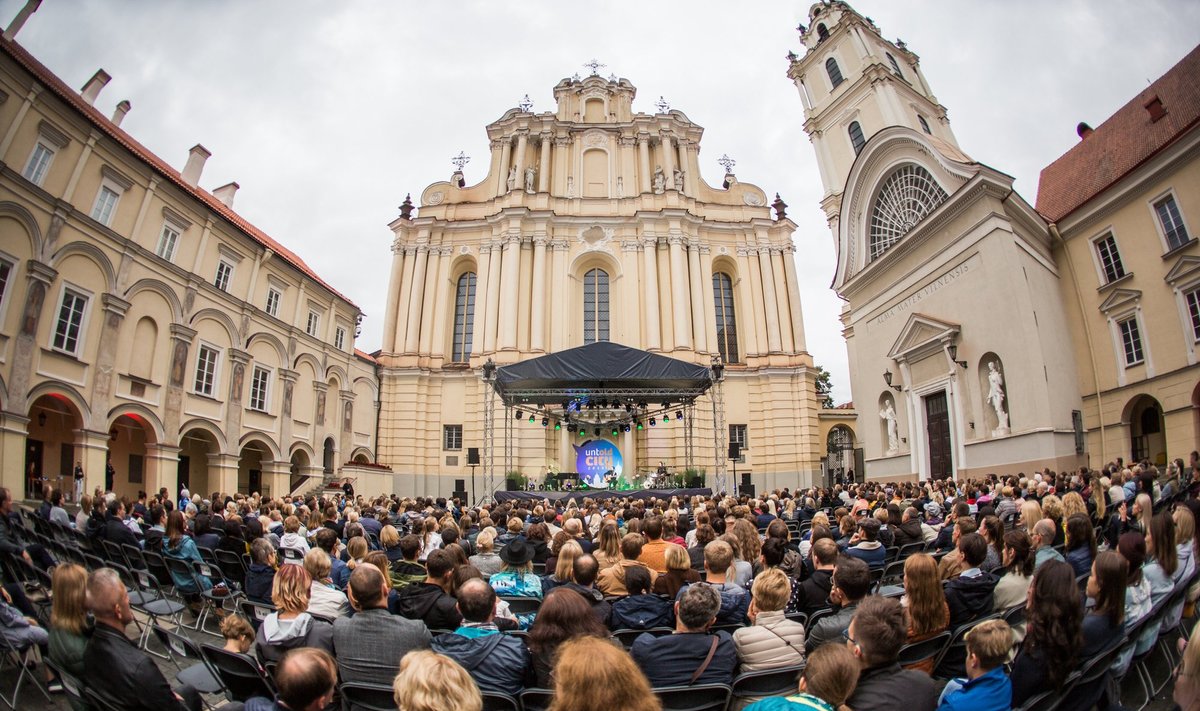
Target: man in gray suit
369	645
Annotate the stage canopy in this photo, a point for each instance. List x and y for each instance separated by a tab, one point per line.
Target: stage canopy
602	369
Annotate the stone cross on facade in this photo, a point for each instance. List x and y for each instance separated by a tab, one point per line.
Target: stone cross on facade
727	162
460	160
526	104
662	105
595	67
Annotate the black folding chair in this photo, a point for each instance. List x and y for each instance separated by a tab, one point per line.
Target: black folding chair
25	660
701	697
911	549
923	651
522	605
367	697
534	699
153	603
767	682
239	673
256	612
71	685
200	676
497	701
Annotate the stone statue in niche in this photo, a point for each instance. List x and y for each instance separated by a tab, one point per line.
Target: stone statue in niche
679	180
320	408
570	186
888	413
288	388
620	187
530	176
995	398
512	178
660	180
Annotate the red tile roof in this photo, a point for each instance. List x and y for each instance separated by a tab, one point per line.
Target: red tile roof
1123	142
75	101
365	356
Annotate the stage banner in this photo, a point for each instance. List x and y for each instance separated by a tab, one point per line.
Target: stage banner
596	458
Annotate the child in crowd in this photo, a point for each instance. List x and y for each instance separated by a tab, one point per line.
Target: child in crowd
829	679
987	686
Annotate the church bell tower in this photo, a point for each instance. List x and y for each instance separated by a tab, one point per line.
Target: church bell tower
854	83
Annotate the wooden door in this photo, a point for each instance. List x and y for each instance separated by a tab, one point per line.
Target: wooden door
937	428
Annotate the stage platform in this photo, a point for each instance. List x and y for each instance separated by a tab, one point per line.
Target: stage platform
598	494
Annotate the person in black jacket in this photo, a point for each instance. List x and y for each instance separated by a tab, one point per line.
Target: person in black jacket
639	610
115	529
909	530
133	679
970	594
876	634
261	574
813	594
429	600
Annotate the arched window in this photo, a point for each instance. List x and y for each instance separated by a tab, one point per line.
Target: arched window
835	74
822	32
924	124
727	343
595	306
856	137
907	196
464	318
840	439
895	65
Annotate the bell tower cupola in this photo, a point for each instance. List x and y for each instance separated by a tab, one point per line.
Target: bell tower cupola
854	83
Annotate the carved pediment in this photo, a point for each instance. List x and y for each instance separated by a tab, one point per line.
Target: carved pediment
1120	299
1186	268
922	334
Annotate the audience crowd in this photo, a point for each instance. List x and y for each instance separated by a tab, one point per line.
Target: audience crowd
978	594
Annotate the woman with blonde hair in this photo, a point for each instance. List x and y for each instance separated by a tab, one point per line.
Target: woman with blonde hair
69	629
1031	513
485	558
291	626
924	601
608	547
1143	511
1072	504
830	677
772	640
431	540
594	674
389	540
1052	508
564	567
751	544
429	681
679	572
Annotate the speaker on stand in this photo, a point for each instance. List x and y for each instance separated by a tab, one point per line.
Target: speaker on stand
472	461
735	453
747	486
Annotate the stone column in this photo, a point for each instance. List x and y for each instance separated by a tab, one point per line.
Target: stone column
537	309
13	431
405	287
679	292
707	298
238	360
162	464
435	288
509	276
393	297
493	296
181	340
632	299
102	383
562	156
697	281
793	289
783	303
543	183
502	175
445	292
668	158
650	285
769	301
643	141
92	451
39	277
483	305
495	167
276	478
558	303
222	472
415	300
749	321
682	146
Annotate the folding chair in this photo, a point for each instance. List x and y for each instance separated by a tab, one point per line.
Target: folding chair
292	555
911	548
239	673
155	605
923	651
25	659
256	612
232	567
497	701
367	697
71	685
183	570
535	699
200	676
522	605
701	697
768	682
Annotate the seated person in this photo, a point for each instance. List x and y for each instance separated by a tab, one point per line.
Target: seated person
814	590
612	579
772	640
830	676
986	686
261	575
691	655
877	632
865	545
325	600
370	645
970	594
407	570
291	625
497	662
639	610
306	680
429	600
851	583
718	559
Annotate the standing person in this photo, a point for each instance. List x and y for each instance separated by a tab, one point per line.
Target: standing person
78	477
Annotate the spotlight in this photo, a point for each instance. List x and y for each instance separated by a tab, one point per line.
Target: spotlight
628	407
557	426
531	418
545	421
679	415
582	432
653	422
639	425
518	415
596	431
626	428
570	428
614	432
666	417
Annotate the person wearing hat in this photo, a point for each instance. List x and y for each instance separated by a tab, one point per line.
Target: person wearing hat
516	577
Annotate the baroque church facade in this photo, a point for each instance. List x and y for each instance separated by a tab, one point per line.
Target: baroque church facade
977	342
592	223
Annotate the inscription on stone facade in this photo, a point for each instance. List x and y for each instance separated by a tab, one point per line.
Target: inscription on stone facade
917	296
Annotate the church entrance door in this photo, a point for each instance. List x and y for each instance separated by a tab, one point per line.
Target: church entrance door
937	428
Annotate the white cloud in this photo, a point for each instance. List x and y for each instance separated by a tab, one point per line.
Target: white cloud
328	113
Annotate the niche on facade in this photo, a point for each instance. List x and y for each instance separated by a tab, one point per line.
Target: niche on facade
994	393
889	424
595	173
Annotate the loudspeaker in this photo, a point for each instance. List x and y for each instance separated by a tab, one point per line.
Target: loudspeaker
695	481
472	456
735	450
747	490
461	496
460	485
510	484
746	480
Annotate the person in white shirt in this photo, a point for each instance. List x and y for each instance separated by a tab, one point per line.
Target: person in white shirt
324	600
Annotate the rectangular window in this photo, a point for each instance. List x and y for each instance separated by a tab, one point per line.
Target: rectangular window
167	242
1131	340
1172	222
1193	304
260	386
1110	258
339	338
106	204
737	433
273	297
70	322
314	323
39	163
452	437
224	275
206	370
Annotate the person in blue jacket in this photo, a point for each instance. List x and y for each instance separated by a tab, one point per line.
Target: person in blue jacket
986	686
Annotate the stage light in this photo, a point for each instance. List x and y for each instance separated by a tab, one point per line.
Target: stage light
519	413
545	421
596	431
531	418
666	417
679	415
570	428
626	428
628	407
653	422
557	426
639	425
582	432
614	432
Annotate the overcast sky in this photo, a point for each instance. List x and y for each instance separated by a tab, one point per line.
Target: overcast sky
327	113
